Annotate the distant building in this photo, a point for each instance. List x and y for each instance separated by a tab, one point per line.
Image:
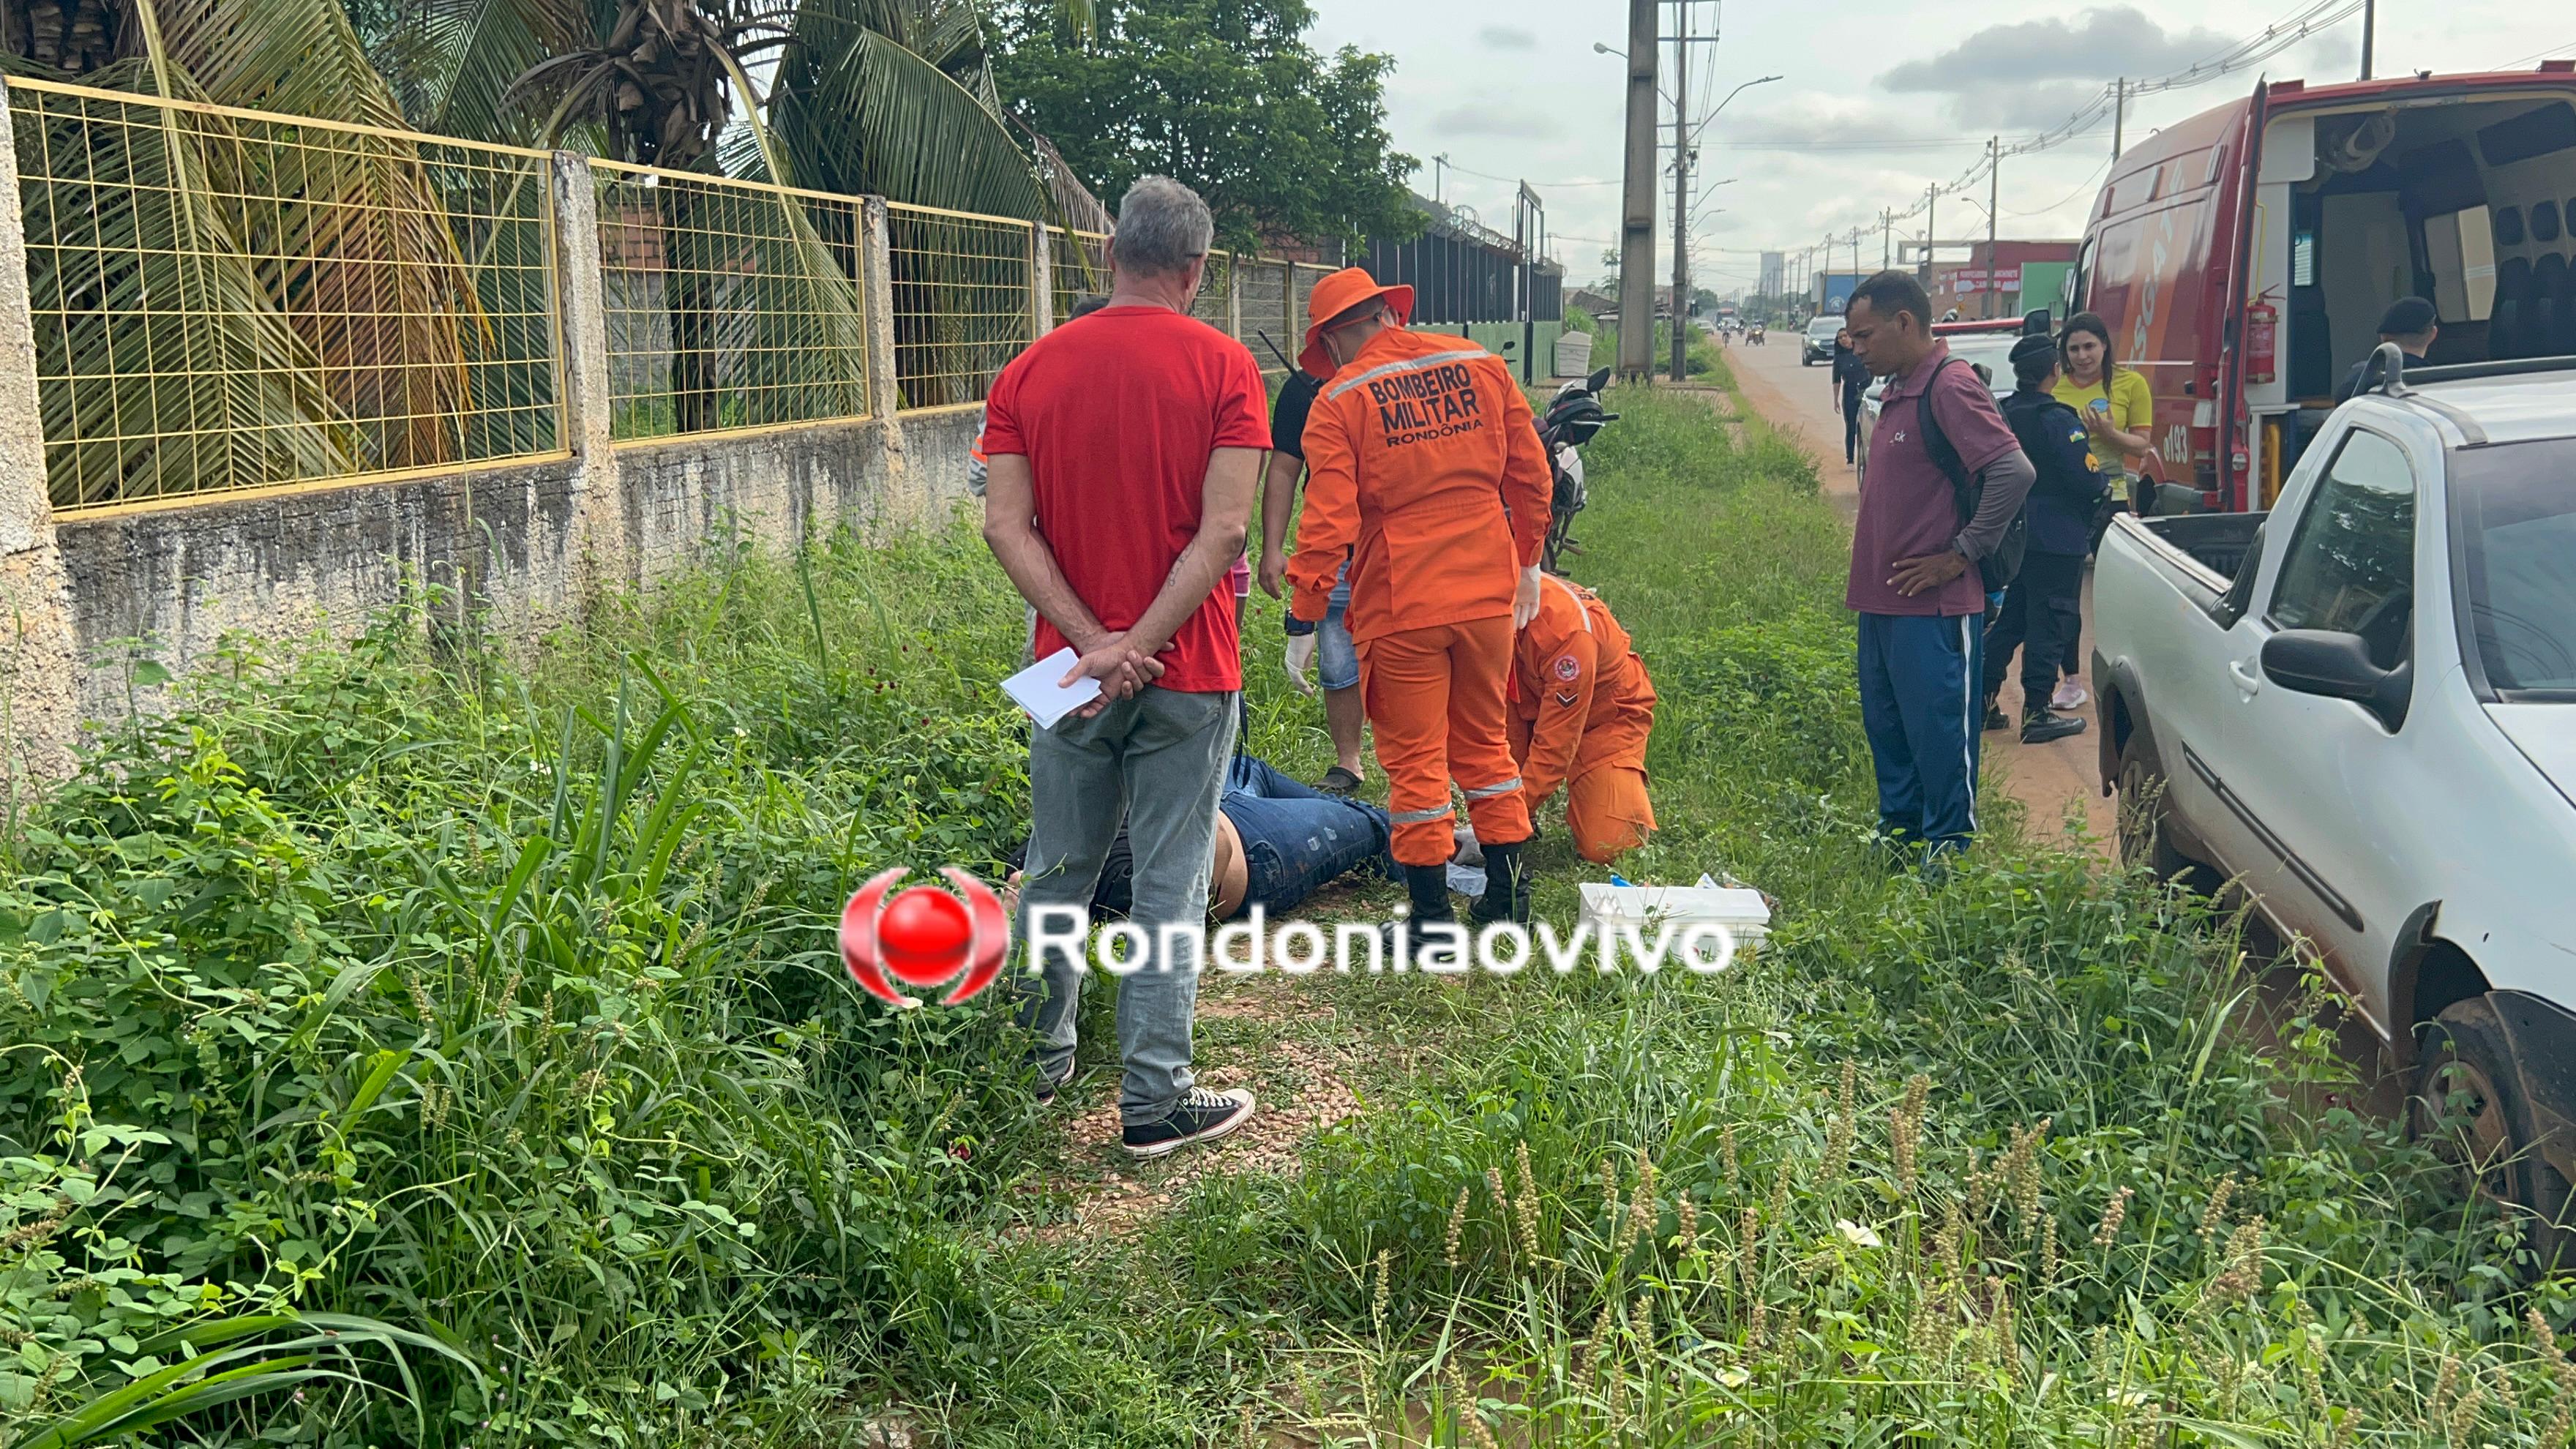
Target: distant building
2026	274
1774	270
1598	306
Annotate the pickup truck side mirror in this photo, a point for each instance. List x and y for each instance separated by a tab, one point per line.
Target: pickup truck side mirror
2337	666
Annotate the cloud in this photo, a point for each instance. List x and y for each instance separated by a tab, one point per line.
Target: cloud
1494	118
2098	45
1507	37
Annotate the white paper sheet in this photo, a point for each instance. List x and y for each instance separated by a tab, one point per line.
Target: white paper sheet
1036	691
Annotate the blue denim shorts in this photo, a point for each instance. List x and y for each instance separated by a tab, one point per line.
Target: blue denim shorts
1337	659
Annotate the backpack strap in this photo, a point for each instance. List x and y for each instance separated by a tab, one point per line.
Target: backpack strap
1936	444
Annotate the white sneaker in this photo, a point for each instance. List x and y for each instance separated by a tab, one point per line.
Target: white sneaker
2070	695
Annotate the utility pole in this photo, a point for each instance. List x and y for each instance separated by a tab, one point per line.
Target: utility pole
1994	198
1681	192
1931	229
1637	218
2369	32
1438	164
2119	109
1886	238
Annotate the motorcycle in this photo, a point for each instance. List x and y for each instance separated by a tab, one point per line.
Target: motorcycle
1754	337
1572	419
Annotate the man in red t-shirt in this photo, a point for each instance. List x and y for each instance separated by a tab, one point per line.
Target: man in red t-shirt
1131	443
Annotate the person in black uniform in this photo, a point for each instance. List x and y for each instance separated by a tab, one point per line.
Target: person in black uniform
2410	323
1851	379
2042	611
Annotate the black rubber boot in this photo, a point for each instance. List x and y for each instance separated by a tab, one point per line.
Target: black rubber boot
1507	890
1428	885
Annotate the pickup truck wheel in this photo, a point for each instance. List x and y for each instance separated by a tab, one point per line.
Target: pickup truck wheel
2144	836
2469	1104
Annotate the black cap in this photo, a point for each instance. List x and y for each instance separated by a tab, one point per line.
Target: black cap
2406	317
2033	346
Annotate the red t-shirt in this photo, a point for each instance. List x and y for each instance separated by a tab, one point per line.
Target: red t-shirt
1117	418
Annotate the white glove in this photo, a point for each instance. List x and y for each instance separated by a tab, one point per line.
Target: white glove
1301	658
1525	599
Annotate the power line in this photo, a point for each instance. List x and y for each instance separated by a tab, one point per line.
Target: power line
2569	44
2280	35
2081	187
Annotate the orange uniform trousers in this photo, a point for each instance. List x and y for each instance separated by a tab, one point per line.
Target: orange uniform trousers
1607	812
1606	808
1435	697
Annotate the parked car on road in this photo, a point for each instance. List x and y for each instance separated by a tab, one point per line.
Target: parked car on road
1818	345
2361	706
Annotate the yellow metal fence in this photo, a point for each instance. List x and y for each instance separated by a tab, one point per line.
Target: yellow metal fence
729	303
226	300
962	305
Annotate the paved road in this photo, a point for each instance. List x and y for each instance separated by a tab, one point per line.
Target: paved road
2047	779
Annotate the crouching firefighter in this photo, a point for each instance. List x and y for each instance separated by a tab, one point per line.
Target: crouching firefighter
1582	707
1425	473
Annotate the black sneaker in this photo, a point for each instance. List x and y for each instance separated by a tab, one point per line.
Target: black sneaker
1049	1085
2039	726
1202	1116
1995	715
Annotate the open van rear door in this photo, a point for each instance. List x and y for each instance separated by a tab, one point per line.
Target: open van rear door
2231	443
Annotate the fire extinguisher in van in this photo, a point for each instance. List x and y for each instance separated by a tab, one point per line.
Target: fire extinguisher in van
2262	339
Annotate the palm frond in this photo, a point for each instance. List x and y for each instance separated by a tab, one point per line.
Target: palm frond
471	52
164	363
873	116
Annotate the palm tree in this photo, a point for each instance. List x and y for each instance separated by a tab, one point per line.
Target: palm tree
213	273
890	97
243	308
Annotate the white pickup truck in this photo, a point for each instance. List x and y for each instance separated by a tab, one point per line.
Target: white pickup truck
2362	708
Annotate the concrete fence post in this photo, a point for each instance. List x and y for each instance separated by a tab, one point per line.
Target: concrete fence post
38	649
1295	313
904	502
589	408
1041	280
1234	296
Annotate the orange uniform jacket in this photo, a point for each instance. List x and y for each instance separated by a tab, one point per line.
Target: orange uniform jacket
1579	694
1408	449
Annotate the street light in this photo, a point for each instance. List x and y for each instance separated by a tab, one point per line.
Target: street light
1731	95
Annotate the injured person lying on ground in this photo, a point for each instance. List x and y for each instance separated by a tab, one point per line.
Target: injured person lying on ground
1277	842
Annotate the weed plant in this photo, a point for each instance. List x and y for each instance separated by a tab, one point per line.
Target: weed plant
487	1001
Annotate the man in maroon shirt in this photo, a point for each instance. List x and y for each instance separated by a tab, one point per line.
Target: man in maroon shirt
1915	580
1131	442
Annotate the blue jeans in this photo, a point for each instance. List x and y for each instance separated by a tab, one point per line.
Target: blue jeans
1337	659
1155	760
1296	839
1919	704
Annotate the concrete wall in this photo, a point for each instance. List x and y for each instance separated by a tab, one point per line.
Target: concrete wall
528	544
179	579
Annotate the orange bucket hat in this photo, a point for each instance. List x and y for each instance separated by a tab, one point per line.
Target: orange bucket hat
1336	294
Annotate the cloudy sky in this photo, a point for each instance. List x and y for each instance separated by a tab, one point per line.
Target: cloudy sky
1878	99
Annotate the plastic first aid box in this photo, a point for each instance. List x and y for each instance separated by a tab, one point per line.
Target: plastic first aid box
1743	911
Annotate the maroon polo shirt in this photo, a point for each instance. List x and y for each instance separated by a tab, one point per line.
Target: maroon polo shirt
1908	510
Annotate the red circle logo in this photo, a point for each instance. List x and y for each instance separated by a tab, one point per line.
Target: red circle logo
924	937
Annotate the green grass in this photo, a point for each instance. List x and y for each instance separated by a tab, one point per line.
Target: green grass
491	996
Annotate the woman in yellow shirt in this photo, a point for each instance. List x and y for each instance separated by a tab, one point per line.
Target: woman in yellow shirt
2118	410
2114	404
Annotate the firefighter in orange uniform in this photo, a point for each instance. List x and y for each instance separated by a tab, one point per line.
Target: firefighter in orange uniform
1425	471
1581	708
